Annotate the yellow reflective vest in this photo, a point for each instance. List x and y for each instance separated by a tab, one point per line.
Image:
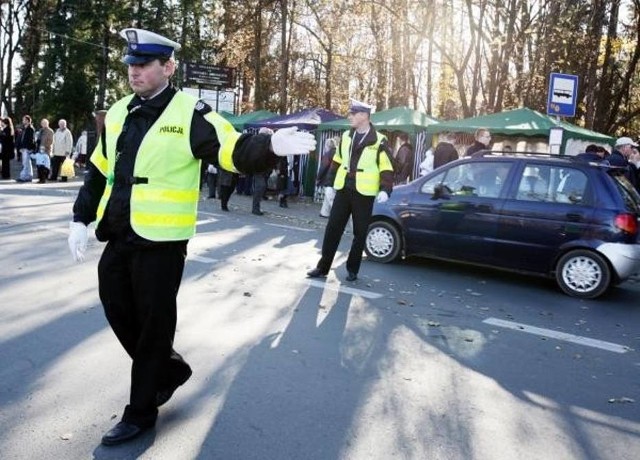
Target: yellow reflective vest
164	205
370	164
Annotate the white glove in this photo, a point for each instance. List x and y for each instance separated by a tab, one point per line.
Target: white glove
382	197
290	141
77	240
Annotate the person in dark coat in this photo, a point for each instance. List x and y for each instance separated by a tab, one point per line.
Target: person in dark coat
593	153
623	150
403	161
444	153
481	143
26	145
7	146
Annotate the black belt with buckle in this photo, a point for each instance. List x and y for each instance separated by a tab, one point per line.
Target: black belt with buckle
131	180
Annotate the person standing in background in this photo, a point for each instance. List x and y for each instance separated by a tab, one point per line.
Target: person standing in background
227	183
481	143
445	152
403	163
325	178
26	146
7	146
212	180
62	147
45	138
80	152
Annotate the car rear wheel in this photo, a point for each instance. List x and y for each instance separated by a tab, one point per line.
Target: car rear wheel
583	273
383	242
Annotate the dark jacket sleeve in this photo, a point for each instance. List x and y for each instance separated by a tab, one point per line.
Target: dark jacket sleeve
252	153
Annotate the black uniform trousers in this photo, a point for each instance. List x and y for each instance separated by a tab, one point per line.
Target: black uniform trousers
138	289
348	202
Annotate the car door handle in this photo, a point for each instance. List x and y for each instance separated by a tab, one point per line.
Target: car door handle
574	217
485	208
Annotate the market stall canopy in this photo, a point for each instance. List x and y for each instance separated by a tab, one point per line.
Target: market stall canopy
519	122
308	119
395	119
239	122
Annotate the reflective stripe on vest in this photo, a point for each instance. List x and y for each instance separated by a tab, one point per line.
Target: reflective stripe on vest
164	208
228	136
368	169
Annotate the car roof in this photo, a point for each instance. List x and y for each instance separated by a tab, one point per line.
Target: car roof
540	156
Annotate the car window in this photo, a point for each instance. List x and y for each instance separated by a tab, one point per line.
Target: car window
628	193
548	183
483	179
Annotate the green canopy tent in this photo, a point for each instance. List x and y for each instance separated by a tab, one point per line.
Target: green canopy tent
412	122
240	121
526	124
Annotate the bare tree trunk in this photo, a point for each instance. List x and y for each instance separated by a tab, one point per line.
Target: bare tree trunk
603	105
593	41
284	58
259	103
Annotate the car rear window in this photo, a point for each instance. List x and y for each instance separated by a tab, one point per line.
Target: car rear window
628	192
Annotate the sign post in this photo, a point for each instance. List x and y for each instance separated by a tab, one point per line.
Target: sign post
561	102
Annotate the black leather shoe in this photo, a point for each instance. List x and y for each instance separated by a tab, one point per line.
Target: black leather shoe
122	432
257	213
165	395
351	276
316	273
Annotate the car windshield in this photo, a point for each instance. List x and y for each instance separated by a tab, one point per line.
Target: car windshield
628	192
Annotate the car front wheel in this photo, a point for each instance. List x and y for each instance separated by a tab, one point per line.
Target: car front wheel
582	273
383	242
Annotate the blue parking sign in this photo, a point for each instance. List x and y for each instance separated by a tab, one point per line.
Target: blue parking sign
563	94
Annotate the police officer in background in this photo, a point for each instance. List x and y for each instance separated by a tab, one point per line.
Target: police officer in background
142	187
363	173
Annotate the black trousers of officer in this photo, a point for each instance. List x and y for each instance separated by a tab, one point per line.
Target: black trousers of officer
348	202
138	289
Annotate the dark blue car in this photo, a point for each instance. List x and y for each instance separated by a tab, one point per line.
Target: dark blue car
539	214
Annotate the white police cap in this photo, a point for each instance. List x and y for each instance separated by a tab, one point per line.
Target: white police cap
358	106
144	46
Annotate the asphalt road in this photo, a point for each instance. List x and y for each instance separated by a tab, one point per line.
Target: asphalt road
416	360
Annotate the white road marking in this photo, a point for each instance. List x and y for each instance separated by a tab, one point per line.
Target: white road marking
291	227
203	259
344	289
580	340
206	221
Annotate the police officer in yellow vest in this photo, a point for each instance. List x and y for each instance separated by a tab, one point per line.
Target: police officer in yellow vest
142	187
363	173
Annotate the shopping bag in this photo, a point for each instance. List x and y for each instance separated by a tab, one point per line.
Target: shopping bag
67	169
